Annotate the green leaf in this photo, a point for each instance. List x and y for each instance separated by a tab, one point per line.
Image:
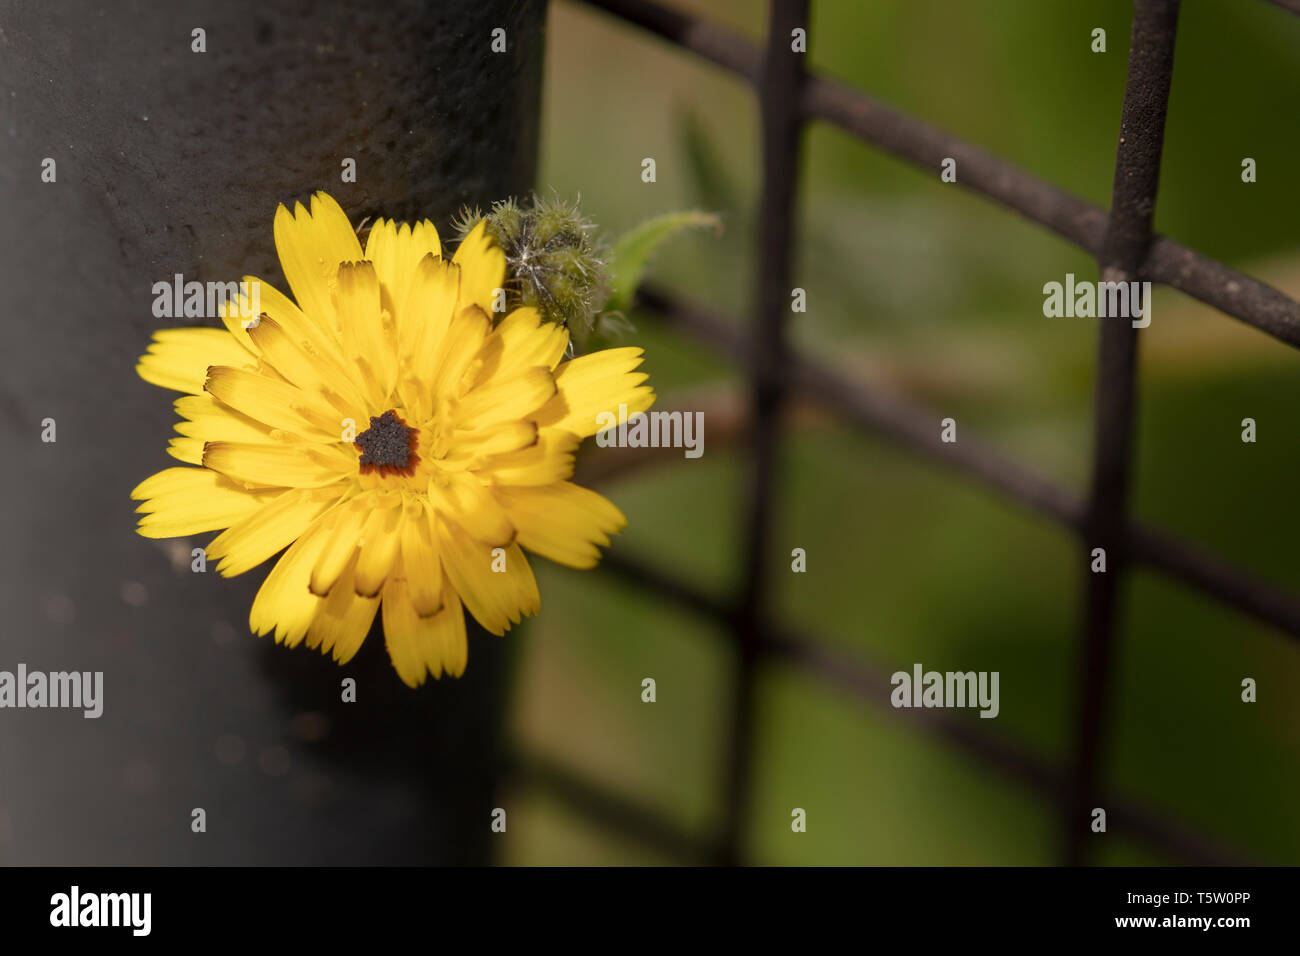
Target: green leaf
634	249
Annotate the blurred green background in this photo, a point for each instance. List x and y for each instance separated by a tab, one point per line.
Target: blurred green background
936	294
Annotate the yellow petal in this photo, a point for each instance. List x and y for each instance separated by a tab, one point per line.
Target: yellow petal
343	620
273	527
462	497
505	397
369	335
451	633
497	599
188	450
380	243
342	531
546	461
563	522
483	268
521	340
452	356
179	358
311	246
313	338
310	372
286	465
430	305
591	386
417	645
406	641
472	448
206	419
381	541
183	501
274	403
283	603
239	312
396	251
420	562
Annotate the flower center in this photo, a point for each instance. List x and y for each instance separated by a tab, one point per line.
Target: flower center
388	446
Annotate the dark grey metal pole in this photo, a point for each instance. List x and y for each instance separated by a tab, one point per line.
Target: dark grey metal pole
172	161
779	88
1123	256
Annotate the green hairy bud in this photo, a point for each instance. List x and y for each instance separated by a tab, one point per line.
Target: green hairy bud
553	263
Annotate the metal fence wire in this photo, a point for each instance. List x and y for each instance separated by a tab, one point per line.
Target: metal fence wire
1126	249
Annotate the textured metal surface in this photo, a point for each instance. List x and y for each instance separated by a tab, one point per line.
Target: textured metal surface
173	161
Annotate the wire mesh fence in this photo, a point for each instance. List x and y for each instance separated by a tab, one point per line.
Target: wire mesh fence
1126	249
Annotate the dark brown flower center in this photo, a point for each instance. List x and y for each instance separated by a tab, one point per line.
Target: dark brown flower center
388	445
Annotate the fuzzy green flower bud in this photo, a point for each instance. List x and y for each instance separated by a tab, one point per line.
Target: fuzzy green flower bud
553	263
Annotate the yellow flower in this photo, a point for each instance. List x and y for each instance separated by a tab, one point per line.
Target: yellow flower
384	430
